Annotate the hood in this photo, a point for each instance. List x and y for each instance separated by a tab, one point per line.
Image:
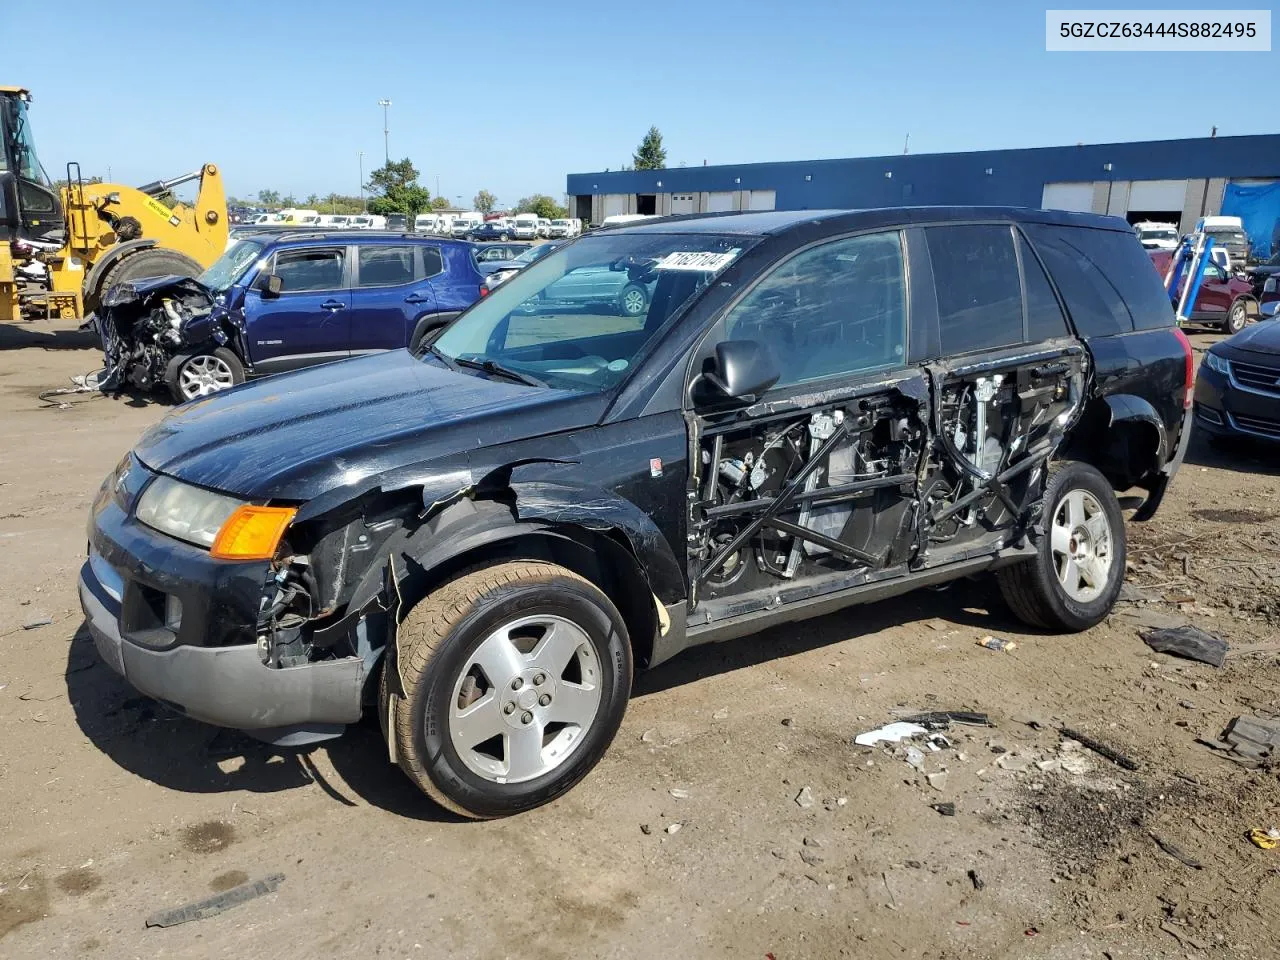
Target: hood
1262	337
128	291
301	434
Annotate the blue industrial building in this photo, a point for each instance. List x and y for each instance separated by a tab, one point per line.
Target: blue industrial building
1166	180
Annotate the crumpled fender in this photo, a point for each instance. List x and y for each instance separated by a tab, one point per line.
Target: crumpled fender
595	509
1127	408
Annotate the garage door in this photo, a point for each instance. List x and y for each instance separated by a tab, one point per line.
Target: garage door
1157	194
1068	196
719	202
614	204
761	200
682	203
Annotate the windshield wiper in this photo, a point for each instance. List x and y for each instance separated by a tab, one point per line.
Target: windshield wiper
493	367
444	358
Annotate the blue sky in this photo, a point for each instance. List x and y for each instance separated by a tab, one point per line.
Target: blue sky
512	96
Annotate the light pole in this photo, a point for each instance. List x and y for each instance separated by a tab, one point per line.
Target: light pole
360	156
386	130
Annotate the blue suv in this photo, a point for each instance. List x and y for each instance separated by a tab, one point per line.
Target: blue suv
276	302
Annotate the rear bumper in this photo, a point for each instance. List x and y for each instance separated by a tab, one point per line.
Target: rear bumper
225	686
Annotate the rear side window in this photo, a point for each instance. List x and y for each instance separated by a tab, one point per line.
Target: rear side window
385	265
979	296
1044	314
1095	305
308	270
432	261
1128	269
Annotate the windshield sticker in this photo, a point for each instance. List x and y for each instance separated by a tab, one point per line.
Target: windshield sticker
706	261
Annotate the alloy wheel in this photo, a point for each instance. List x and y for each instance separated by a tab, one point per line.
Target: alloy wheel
525	699
1081	543
203	375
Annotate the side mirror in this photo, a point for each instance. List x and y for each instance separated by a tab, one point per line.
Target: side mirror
270	286
739	372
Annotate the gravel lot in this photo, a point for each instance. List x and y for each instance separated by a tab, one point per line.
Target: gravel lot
688	840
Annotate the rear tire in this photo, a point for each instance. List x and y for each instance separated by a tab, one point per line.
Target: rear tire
475	733
633	300
1237	317
147	262
1073	581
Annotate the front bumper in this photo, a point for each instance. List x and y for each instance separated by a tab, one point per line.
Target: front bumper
225	686
1225	407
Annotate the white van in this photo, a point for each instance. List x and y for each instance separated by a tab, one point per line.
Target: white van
464	223
334	221
365	221
544	228
425	223
444	224
564	228
525	226
293	215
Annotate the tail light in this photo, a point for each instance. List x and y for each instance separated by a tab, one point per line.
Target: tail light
1189	374
484	291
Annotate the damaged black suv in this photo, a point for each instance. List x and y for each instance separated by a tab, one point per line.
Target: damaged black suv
479	540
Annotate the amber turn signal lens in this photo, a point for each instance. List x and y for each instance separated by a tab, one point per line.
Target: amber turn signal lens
251	533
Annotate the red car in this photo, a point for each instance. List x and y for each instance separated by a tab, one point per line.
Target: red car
1224	300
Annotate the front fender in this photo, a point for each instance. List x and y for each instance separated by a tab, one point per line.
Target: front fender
599	510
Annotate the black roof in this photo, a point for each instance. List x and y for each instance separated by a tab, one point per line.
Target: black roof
773	222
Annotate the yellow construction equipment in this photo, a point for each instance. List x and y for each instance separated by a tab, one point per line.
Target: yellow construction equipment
61	250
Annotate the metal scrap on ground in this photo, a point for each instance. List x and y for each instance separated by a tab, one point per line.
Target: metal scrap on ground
202	909
1187	641
1249	740
1101	749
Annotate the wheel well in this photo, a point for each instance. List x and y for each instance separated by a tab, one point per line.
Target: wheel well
1125	451
597	556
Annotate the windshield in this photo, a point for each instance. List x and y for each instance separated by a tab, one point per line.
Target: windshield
1224	234
579	318
1159	234
21	144
228	268
559	223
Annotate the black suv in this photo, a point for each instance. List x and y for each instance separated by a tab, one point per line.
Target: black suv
480	540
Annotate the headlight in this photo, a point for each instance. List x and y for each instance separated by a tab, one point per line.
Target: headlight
185	512
1217	364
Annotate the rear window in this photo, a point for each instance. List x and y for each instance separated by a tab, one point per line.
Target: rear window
1107	279
385	266
1045	319
975	272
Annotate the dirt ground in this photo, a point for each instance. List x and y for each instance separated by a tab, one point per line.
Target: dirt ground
688	840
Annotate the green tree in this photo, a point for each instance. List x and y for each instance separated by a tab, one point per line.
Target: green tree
485	201
312	201
269	198
397	189
542	205
650	155
439	203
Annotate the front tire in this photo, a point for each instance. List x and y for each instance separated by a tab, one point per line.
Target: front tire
205	373
1074	579
147	262
515	678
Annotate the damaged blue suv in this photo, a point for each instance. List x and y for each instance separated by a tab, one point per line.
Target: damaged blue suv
280	301
479	542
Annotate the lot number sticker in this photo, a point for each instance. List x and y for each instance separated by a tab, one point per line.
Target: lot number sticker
707	262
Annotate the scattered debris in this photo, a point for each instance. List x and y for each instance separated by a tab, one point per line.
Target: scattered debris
1013	762
937	780
649	736
1185	939
1264	839
203	909
889	733
941	719
915	758
721	714
977	881
1187	641
1101	749
788	722
804	799
1250	740
812	859
678	793
646	829
42	622
947	809
998	644
1175	851
674	827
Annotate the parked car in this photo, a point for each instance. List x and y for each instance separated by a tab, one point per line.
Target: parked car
333	221
560	228
464	223
544	228
491	256
1238	388
278	302
1157	236
1260	273
1228	232
368	222
397	221
493	230
1224	300
479	543
496	271
525	226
